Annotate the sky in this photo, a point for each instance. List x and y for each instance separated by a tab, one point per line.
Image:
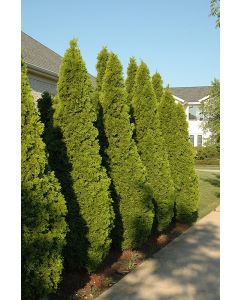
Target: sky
177	38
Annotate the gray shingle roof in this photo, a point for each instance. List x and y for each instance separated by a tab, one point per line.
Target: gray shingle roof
191	94
36	54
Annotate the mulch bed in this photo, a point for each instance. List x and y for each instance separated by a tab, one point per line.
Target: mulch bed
82	286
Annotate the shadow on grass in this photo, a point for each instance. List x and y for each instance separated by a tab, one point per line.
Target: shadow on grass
213	181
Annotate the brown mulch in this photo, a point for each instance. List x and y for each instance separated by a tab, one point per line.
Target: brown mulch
80	285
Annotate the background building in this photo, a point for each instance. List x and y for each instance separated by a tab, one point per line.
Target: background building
191	98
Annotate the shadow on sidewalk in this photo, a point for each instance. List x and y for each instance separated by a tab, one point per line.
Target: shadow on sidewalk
188	268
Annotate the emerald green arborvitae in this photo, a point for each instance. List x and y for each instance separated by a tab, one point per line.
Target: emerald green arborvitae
133	202
157	84
181	157
130	81
75	114
151	147
102	59
43	207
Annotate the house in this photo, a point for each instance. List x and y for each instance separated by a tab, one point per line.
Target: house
191	98
43	67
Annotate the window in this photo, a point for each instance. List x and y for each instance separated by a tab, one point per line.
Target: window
192	139
199	140
195	113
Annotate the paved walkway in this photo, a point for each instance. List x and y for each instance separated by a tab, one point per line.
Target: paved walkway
186	269
209	170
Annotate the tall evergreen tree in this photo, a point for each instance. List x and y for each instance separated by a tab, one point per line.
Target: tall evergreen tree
101	66
130	81
132	197
151	146
181	157
75	114
102	59
43	207
157	84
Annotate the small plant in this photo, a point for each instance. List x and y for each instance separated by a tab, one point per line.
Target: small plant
162	240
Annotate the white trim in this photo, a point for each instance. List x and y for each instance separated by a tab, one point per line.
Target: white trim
204	98
192	103
179	99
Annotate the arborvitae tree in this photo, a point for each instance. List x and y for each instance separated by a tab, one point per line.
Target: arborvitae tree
181	157
130	81
43	207
132	197
75	114
151	146
157	84
102	59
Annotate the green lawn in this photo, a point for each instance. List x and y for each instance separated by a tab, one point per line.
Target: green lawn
209	191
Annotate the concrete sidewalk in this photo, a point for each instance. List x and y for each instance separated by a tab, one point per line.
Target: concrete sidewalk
209	170
186	269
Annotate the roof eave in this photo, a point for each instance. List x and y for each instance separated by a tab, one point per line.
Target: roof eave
42	72
179	99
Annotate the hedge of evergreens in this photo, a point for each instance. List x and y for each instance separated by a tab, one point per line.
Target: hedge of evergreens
151	146
181	157
133	202
75	114
43	207
101	166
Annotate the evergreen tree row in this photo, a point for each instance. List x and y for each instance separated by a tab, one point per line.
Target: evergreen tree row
117	166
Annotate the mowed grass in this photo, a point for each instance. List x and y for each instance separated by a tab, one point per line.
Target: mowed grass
209	184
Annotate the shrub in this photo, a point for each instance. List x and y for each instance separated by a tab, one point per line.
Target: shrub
74	115
181	157
208	152
133	204
43	207
151	147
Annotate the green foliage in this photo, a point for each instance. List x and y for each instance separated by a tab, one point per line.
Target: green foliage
74	115
208	152
43	207
181	157
130	81
102	59
215	11
157	84
151	146
133	203
211	112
